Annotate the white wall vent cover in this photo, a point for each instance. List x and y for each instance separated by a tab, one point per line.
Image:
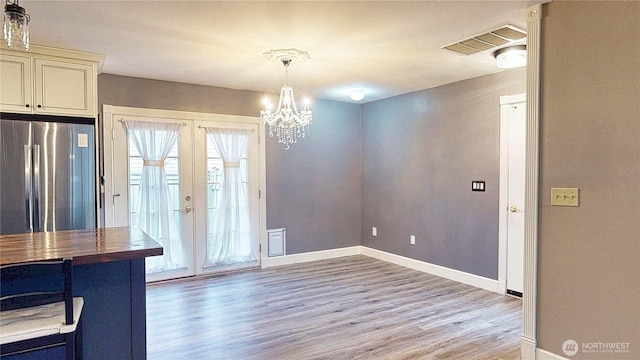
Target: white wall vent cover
486	41
276	242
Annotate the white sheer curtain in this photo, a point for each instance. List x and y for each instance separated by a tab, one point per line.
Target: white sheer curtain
152	212
229	228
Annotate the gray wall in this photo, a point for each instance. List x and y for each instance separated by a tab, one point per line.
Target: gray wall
313	189
166	95
589	256
420	152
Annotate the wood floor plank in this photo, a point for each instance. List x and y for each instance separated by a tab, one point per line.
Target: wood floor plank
353	307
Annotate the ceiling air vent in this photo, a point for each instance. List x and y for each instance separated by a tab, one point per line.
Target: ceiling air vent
486	41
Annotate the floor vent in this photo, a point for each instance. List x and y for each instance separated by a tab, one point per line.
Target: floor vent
488	40
215	276
514	293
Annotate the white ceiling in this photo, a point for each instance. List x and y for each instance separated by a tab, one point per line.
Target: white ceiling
386	48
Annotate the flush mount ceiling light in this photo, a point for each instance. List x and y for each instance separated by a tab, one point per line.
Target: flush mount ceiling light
16	25
511	56
357	94
286	122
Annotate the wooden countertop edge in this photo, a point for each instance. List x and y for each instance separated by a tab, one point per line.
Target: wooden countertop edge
127	244
115	256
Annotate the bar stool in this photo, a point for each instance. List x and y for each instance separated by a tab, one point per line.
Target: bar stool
32	319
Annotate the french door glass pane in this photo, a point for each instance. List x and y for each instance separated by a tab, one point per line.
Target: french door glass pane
215	172
172	170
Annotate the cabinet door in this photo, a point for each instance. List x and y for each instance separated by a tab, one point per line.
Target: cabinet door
15	84
64	88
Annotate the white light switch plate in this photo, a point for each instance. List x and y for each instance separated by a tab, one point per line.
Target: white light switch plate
565	197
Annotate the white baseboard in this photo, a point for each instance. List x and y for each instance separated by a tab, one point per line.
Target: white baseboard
268	262
546	355
444	272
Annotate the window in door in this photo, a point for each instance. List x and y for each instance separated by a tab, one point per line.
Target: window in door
229	231
154	183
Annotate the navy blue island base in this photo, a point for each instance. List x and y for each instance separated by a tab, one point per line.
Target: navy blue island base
114	292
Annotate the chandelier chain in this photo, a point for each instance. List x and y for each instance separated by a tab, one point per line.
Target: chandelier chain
286	73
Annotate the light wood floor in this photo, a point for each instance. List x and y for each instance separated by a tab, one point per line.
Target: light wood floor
347	308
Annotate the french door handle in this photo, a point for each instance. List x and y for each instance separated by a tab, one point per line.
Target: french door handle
187	209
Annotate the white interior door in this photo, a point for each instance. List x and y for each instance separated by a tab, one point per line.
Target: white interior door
513	119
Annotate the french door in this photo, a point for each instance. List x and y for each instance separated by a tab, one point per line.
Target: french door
159	185
226	225
192	185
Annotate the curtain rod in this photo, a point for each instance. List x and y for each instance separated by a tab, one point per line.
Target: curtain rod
217	127
162	122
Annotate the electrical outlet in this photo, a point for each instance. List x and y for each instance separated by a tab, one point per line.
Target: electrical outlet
413	240
565	197
374	231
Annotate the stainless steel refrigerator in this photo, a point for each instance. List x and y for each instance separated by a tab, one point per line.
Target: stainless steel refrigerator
47	173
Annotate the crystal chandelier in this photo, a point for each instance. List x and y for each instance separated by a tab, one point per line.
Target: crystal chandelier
286	122
16	25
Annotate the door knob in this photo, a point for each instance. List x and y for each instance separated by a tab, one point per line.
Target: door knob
514	209
187	209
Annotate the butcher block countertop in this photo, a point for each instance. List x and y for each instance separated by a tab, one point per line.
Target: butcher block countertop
84	246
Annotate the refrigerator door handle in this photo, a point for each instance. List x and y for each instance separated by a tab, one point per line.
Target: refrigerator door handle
37	219
28	187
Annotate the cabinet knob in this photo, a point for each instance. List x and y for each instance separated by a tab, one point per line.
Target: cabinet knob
27	105
39	106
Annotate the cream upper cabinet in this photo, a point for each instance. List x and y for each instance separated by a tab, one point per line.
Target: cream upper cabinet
15	83
49	81
64	88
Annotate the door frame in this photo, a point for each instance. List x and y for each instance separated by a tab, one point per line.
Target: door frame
503	202
110	117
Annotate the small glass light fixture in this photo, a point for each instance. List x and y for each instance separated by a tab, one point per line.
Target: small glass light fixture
357	94
16	25
286	122
511	57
